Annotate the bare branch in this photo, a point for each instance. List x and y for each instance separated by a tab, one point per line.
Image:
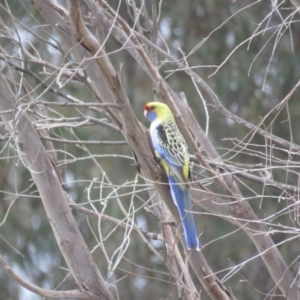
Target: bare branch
43	173
40	291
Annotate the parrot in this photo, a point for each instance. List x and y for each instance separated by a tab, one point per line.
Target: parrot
172	152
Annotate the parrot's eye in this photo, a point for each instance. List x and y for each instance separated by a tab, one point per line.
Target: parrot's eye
152	107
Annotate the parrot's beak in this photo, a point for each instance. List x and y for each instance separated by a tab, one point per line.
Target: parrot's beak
145	113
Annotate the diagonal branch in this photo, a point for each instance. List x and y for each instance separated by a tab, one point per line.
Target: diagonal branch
76	294
35	158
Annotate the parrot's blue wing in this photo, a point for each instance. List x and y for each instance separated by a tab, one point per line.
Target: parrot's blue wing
160	142
172	150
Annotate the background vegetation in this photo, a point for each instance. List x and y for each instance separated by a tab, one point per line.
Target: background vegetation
75	76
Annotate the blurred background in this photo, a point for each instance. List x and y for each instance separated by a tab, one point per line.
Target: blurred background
256	45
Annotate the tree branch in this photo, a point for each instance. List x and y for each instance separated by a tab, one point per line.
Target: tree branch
76	294
35	158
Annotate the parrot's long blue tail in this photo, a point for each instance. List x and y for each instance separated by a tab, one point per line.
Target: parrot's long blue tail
182	200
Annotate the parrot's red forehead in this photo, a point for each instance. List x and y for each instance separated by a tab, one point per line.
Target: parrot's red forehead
149	106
